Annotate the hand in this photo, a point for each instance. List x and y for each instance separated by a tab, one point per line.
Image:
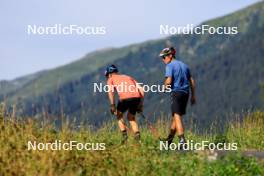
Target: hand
113	109
140	106
193	100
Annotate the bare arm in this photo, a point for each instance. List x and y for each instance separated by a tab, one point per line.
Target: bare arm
111	97
167	82
193	97
139	88
141	91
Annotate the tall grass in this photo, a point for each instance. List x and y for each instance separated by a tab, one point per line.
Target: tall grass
248	134
129	159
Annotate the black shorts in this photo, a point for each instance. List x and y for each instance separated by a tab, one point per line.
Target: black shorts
179	102
130	104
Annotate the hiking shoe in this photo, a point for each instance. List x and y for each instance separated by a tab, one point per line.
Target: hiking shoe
124	140
124	137
168	140
182	144
137	137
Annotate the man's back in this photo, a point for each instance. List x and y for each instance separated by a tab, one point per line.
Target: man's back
180	74
125	86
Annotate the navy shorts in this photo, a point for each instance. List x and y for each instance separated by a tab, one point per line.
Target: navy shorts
179	102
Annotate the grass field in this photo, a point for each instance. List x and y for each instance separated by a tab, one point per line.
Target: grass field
129	159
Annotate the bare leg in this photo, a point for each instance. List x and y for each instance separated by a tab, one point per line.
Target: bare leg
180	129
178	124
121	122
122	127
173	125
134	126
172	131
132	121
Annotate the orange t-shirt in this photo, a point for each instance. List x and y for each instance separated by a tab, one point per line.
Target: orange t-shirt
124	85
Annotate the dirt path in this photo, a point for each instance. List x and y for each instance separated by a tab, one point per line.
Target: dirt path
250	153
218	154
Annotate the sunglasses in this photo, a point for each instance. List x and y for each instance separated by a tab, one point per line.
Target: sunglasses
163	57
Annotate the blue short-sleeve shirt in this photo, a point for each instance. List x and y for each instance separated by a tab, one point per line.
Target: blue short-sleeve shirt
180	74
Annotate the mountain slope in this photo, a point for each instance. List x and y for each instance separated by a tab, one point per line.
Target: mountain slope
228	70
52	79
7	87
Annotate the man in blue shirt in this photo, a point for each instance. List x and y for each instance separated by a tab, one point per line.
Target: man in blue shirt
179	79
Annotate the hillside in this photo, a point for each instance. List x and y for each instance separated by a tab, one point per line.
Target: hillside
7	87
228	70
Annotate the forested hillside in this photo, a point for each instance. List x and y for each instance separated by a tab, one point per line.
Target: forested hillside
228	70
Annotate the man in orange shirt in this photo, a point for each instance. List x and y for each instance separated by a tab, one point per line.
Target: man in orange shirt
130	99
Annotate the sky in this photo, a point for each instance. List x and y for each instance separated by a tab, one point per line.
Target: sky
125	22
